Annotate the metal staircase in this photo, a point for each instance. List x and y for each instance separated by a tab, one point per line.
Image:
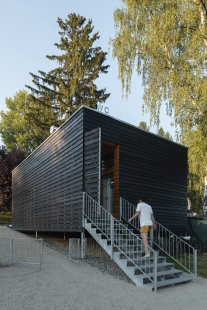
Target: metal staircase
126	249
165	241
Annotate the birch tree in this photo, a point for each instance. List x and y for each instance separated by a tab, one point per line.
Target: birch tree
166	41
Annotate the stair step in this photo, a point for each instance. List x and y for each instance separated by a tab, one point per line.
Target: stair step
117	232
116	229
150	265
134	253
168	282
124	242
107	224
121	236
137	254
175	272
140	261
147	263
126	247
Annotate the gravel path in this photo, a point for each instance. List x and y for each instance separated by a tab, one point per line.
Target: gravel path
63	284
105	264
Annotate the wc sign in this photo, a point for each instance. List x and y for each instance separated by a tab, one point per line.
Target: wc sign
101	108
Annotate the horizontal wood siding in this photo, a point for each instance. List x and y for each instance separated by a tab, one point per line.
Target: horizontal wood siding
48	185
92	163
148	165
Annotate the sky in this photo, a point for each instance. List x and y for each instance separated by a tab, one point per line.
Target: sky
28	31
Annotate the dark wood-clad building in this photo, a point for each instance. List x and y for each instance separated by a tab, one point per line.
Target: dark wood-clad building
104	157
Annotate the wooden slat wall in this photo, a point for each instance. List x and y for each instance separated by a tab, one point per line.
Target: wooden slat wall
150	166
92	141
48	185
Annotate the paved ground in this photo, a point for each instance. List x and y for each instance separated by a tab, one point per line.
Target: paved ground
63	284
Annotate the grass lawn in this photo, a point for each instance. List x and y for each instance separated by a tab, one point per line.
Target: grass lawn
202	264
5	218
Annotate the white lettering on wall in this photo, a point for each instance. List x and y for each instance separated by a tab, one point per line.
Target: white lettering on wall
101	108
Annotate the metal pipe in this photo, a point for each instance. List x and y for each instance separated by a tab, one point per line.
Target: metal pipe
120	208
41	252
83	254
10	251
83	210
195	265
112	236
152	236
155	271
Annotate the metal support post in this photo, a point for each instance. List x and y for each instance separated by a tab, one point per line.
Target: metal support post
120	208
36	235
83	211
10	251
152	236
83	248
155	271
41	252
195	265
112	236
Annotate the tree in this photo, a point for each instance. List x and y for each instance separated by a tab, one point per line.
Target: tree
164	134
143	125
168	41
64	89
197	159
8	161
16	130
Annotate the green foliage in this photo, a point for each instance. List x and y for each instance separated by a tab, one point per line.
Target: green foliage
58	93
197	161
167	41
8	161
64	89
16	129
5	218
164	134
143	125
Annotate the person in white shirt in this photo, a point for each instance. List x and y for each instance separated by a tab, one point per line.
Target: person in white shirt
147	220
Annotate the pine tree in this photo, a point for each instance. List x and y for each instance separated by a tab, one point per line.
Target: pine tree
64	89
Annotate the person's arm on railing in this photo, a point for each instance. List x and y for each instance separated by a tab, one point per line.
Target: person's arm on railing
135	215
153	221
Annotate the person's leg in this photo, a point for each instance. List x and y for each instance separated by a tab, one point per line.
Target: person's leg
144	236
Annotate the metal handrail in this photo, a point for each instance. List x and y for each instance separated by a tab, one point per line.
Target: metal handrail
127	211
167	242
111	228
